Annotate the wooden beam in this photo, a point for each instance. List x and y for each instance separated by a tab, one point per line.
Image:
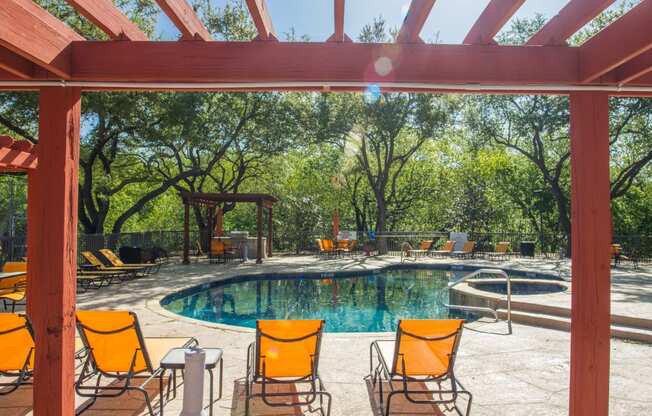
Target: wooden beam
339	35
414	20
105	15
15	64
634	69
259	233
262	19
185	19
327	62
569	20
52	251
186	233
492	19
591	254
623	40
36	35
17	155
270	231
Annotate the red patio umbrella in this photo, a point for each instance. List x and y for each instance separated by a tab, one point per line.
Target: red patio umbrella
219	222
336	223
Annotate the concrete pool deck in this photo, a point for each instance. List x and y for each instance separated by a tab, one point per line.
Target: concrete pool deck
526	373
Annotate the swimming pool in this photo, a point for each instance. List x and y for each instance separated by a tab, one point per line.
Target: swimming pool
371	302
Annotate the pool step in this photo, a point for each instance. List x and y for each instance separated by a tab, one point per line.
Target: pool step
563	323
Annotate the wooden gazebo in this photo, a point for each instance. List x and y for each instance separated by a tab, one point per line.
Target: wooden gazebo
39	52
212	200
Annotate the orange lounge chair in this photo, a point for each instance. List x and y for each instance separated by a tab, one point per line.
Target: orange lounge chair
12	289
445	249
423	353
286	352
466	251
126	271
119	351
116	262
500	251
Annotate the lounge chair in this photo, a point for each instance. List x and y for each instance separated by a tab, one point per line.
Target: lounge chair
286	352
424	351
13	289
223	251
329	246
17	351
116	262
119	351
97	264
500	251
444	250
466	251
322	248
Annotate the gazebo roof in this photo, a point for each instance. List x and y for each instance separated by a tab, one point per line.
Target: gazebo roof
39	50
212	199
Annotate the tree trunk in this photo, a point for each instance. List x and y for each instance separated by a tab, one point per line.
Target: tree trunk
380	226
564	220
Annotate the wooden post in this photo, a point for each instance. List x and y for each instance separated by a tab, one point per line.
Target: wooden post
259	233
270	232
52	251
186	233
591	256
209	225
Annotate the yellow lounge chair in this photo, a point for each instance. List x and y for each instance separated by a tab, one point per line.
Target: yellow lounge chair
118	351
445	250
17	351
116	262
466	251
500	251
12	289
286	352
424	351
98	265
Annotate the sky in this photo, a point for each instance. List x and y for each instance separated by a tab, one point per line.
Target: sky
449	20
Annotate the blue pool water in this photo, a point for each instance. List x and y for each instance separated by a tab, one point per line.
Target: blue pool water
367	303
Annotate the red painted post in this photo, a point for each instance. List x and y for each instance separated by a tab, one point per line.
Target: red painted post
52	251
270	231
591	256
186	233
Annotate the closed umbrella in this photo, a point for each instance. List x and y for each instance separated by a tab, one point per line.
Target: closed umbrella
336	224
219	222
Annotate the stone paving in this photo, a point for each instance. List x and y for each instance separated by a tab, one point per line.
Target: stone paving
526	373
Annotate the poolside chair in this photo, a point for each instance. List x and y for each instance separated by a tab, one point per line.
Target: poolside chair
286	352
329	246
118	351
466	251
322	248
116	262
444	250
222	251
500	251
12	289
97	264
423	353
17	351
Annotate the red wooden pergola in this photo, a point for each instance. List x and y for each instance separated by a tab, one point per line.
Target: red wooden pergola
39	52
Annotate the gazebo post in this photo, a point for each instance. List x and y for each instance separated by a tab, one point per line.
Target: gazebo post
186	232
259	232
591	256
52	250
270	232
209	225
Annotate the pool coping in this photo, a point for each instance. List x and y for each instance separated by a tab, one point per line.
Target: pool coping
154	304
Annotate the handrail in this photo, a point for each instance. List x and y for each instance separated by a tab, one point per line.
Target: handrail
479	272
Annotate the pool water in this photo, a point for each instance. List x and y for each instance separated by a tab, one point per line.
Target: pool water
368	303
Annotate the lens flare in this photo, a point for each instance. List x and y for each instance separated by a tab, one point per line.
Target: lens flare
383	66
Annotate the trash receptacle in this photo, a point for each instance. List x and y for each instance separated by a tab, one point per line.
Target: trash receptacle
527	248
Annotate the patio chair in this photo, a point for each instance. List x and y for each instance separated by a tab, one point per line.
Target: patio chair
286	352
221	251
97	264
119	352
12	289
466	252
116	262
424	351
17	351
501	251
445	250
407	252
321	247
329	246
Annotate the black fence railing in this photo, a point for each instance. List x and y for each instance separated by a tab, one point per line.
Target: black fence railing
636	247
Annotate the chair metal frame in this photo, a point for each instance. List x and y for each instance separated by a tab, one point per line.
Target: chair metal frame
383	370
253	377
91	370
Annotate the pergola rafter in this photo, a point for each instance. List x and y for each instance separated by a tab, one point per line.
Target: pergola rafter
414	20
105	15
568	21
185	19
32	32
607	50
17	155
42	52
492	19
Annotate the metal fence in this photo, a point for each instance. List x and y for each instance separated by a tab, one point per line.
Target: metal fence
637	247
